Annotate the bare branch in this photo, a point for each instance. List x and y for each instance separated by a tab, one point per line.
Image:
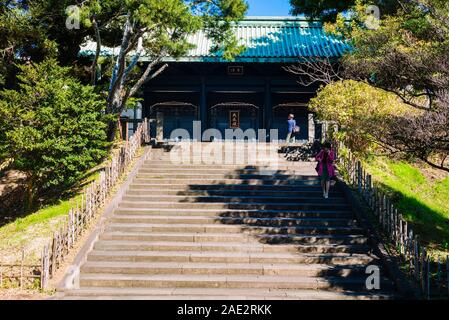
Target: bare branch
437	166
146	77
316	70
117	78
97	53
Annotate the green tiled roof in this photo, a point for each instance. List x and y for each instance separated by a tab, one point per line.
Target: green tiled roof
267	39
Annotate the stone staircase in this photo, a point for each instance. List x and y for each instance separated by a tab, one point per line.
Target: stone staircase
253	230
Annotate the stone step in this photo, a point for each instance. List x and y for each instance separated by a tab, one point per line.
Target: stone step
345	239
247	230
121	245
325	214
231	199
166	180
114	293
305	169
279	162
291	239
219	176
179	236
240	157
219	228
230	152
326	204
175	268
229	155
271	221
224	281
213	170
230	257
223	192
227	187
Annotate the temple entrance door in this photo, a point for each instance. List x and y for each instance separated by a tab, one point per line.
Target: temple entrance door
234	116
171	116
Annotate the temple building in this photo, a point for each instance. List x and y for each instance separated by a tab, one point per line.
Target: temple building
253	91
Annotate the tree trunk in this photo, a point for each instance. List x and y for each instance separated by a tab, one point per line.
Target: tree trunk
112	130
29	201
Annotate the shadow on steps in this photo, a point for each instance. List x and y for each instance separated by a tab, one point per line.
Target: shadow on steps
288	212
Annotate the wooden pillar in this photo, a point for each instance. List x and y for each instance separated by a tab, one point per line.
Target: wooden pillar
124	128
267	110
311	121
203	105
159	126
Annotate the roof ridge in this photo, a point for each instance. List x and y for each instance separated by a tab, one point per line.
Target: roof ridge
279	21
279	18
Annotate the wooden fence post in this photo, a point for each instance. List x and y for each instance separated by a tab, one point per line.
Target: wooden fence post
447	274
422	277
21	269
405	234
368	189
429	278
400	233
395	226
54	252
410	248
45	272
439	276
69	230
417	256
380	208
359	176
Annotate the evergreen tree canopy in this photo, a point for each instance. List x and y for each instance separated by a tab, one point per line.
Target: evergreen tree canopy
405	53
52	127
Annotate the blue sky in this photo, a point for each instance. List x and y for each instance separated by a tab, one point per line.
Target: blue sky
268	7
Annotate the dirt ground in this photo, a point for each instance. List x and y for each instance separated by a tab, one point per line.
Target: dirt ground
17	294
11	190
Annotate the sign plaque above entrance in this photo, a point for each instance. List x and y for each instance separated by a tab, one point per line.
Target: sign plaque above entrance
235	70
234	119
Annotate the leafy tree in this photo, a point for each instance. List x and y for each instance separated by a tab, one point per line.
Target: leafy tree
329	10
20	40
405	54
361	111
156	29
424	135
52	127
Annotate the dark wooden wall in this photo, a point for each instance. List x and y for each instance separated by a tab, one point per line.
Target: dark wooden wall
264	87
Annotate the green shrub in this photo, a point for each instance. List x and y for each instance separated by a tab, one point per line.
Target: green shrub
52	126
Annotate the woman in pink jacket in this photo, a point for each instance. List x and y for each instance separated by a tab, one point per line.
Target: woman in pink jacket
325	167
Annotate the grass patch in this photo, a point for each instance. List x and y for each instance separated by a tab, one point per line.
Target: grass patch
45	214
422	200
32	232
